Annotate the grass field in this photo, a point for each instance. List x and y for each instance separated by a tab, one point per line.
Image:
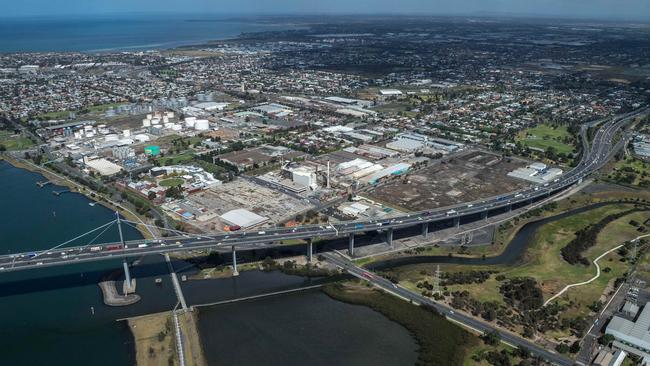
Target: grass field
171	182
543	261
175	159
154	339
11	142
544	136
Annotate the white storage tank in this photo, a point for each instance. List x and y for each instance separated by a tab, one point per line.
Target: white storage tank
202	125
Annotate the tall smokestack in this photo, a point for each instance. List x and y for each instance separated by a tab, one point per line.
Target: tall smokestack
328	174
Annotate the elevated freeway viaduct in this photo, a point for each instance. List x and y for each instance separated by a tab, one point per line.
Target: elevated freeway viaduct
595	154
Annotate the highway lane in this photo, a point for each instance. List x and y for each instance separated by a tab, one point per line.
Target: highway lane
596	155
446	311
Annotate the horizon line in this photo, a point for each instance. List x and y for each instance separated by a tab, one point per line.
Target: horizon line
475	14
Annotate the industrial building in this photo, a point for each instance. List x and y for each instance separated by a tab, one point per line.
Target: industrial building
102	166
608	358
196	177
411	142
152	150
397	169
536	173
293	177
642	146
390	92
632	336
243	218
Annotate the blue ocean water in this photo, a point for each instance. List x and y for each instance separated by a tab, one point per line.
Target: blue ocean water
125	33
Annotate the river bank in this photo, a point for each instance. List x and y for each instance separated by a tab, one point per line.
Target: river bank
448	345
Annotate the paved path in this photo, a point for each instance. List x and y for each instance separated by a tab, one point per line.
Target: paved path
597	272
584	282
177	285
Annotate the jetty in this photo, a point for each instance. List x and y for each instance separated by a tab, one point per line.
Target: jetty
113	298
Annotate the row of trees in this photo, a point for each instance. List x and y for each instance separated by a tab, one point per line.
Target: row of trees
586	238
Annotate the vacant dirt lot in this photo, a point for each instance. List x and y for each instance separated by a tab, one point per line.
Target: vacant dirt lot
468	177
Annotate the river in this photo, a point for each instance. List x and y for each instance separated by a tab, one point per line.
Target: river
511	255
55	316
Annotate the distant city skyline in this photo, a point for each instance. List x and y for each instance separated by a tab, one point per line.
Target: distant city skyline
596	9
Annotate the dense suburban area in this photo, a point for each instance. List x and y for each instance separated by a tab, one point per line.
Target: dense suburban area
365	125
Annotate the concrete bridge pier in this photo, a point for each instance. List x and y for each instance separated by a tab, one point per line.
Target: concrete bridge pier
351	245
425	229
128	284
310	249
389	237
456	221
484	215
234	262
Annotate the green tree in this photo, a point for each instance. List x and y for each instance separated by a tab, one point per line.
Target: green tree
492	338
606	339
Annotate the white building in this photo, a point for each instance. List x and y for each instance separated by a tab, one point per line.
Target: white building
632	336
390	92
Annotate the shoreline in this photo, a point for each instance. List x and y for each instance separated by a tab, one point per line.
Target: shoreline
452	349
262	24
76	188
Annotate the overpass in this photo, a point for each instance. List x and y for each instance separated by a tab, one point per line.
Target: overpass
594	157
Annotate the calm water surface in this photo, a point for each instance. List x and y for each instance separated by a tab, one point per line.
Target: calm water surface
106	34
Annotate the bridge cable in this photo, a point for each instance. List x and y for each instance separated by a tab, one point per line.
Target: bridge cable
98	235
169	230
75	238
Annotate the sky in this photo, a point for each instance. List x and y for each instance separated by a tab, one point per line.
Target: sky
597	9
